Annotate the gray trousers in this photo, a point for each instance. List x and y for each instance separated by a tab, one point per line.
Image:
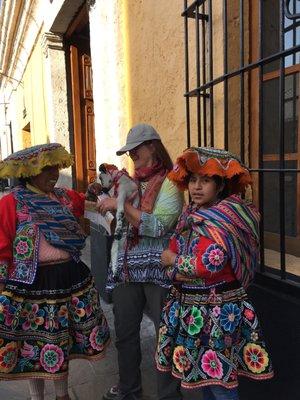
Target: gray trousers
129	301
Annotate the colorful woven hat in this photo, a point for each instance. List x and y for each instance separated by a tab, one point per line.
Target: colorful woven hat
210	161
31	161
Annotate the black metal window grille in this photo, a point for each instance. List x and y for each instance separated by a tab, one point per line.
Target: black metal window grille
251	106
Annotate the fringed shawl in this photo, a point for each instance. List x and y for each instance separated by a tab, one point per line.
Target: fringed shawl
234	225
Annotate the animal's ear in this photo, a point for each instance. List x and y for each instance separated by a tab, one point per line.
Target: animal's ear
102	168
111	167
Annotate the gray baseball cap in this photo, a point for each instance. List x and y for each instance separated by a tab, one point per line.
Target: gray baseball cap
137	135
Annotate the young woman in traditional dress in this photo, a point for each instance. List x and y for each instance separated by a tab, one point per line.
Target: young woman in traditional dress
209	332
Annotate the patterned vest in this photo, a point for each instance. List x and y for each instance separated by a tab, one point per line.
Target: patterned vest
27	241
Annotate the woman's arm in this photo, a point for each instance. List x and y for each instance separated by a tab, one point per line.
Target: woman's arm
164	216
7	235
208	261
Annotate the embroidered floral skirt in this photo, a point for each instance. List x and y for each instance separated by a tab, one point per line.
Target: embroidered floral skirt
210	339
46	324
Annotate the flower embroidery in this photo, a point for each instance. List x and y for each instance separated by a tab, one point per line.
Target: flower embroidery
29	351
77	309
8	357
51	357
255	357
249	314
186	265
23	247
21	270
230	317
216	311
4	307
254	336
194	321
180	359
174	313
3	271
63	316
96	339
33	316
214	258
211	364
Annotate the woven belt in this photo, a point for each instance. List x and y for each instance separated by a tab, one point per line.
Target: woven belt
203	290
55	262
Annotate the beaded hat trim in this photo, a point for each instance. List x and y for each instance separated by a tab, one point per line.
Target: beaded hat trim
30	162
210	161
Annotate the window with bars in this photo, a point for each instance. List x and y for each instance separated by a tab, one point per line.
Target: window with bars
242	60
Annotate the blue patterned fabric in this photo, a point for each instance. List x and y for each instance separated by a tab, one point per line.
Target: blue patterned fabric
55	220
141	263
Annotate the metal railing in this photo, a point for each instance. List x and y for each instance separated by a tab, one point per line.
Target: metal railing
268	54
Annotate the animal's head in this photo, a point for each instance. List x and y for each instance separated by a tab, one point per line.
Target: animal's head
106	176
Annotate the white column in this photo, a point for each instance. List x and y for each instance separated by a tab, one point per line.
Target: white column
108	50
56	96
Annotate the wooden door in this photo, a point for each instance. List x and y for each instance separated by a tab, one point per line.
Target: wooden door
83	114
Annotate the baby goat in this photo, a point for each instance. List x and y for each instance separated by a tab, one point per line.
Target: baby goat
124	186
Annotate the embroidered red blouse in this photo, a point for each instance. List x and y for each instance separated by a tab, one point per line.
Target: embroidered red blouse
201	257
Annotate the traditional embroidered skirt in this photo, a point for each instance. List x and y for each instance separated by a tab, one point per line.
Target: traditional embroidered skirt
46	324
210	339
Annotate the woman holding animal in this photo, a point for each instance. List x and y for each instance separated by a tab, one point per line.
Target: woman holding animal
49	306
209	333
140	278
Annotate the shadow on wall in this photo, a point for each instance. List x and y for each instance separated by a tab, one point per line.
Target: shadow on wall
279	315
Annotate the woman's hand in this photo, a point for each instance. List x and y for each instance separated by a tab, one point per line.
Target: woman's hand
131	198
178	277
168	258
109	204
182	278
93	190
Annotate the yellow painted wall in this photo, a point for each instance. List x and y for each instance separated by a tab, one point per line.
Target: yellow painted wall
156	68
31	107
